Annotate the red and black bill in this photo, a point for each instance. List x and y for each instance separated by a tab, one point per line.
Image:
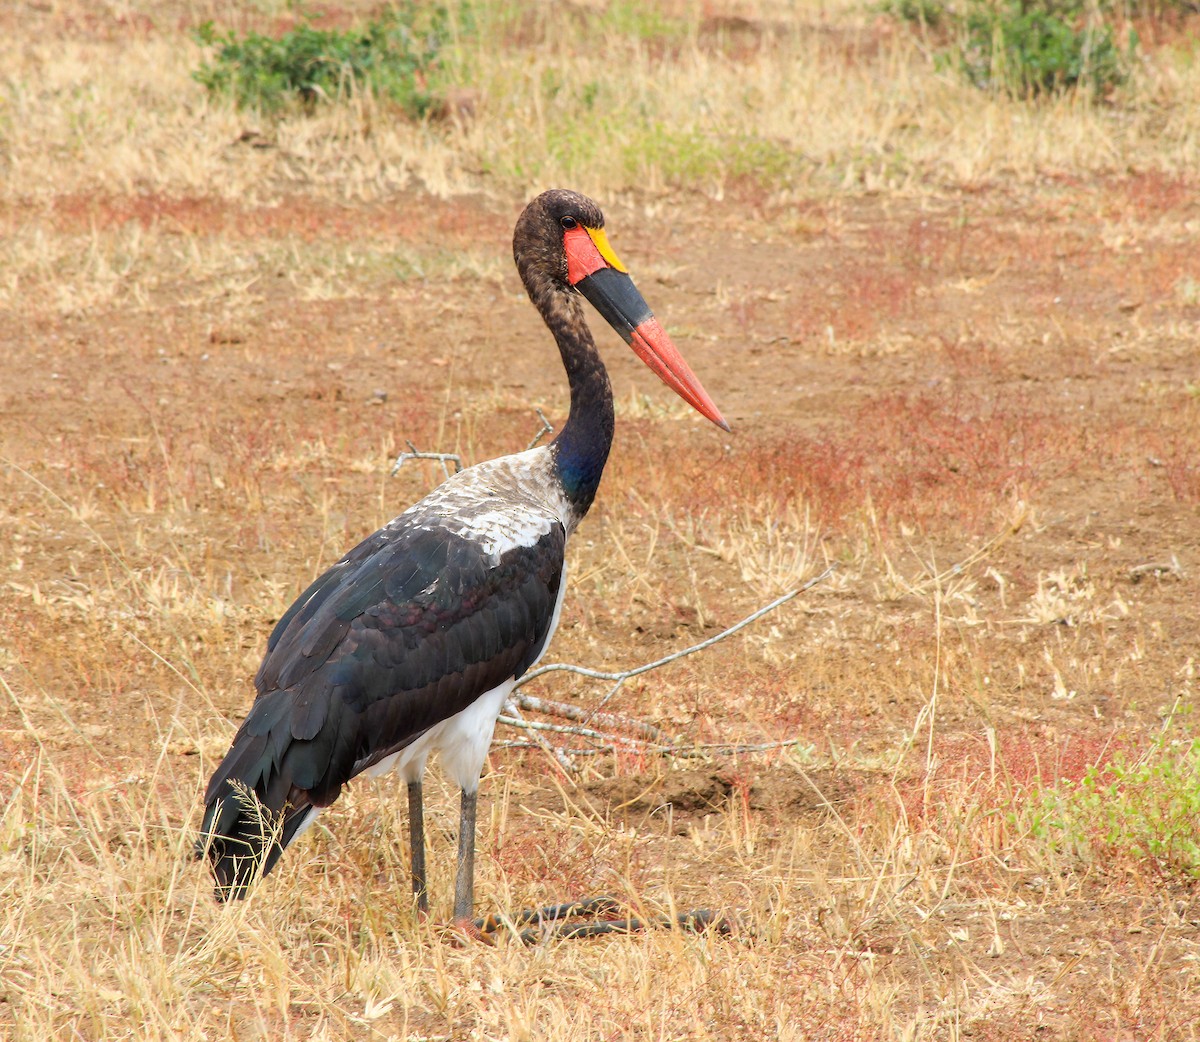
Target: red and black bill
594	270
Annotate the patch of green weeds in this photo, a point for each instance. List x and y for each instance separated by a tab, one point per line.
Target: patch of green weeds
1146	809
1027	48
393	56
1031	47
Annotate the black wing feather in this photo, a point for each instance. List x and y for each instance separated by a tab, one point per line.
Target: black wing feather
409	628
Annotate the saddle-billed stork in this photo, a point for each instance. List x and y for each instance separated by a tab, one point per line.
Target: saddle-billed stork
411	643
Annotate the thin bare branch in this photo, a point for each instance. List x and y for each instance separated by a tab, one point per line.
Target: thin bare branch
442	457
733	748
560	756
546	428
1158	569
623	675
582	732
531	743
609	743
568	712
645	736
453	457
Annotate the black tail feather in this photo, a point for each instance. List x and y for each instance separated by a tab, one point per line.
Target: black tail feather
242	837
253	808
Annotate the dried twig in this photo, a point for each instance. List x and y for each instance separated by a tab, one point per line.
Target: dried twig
582	732
569	712
1158	569
453	457
541	743
441	457
560	756
702	749
612	742
646	736
545	429
564	922
623	675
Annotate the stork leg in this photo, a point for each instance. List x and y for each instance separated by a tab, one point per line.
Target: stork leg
416	841
464	881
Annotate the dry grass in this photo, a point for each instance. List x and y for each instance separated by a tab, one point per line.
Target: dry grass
829	96
956	336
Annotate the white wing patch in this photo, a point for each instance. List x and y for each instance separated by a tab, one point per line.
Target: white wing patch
499	505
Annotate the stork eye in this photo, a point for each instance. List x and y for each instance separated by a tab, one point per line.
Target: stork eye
569	222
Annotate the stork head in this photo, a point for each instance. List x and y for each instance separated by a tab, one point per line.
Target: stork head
560	245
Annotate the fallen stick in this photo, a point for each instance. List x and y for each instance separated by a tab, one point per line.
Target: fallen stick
568	712
623	675
646	736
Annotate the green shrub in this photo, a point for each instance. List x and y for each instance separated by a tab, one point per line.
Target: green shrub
1147	808
1026	48
1031	47
393	56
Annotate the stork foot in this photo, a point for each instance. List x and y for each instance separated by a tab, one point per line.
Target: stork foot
587	918
462	933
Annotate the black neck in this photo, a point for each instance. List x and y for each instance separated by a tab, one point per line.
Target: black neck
581	448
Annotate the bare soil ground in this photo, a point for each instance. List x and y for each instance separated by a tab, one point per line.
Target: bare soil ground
982	405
